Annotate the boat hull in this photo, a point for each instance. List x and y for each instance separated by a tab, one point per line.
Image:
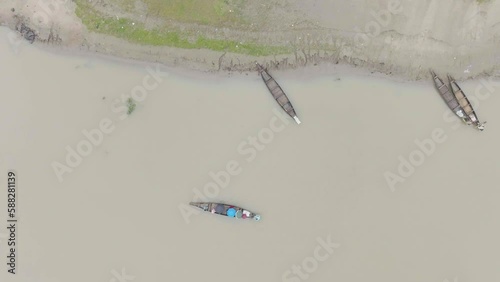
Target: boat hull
278	93
226	210
449	98
465	104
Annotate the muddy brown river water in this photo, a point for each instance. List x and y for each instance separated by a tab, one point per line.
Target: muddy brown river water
378	182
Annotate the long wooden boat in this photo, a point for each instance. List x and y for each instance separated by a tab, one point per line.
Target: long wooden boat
449	98
278	93
226	210
465	104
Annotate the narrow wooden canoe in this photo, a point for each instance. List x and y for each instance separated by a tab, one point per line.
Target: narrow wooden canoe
226	210
449	98
465	104
278	93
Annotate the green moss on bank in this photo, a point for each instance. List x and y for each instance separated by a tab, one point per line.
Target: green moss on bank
131	106
208	12
136	33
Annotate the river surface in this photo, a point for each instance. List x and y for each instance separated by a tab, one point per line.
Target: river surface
378	182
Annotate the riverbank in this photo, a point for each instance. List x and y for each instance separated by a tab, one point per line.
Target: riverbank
392	37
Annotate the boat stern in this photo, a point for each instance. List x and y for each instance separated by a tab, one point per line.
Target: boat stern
259	67
203	206
433	74
297	120
480	126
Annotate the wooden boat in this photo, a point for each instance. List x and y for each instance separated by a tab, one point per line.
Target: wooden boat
278	93
226	210
449	98
465	104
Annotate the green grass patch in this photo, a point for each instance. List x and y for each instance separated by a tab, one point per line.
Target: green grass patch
137	33
131	106
210	12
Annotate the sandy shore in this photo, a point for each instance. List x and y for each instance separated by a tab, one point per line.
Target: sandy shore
394	37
